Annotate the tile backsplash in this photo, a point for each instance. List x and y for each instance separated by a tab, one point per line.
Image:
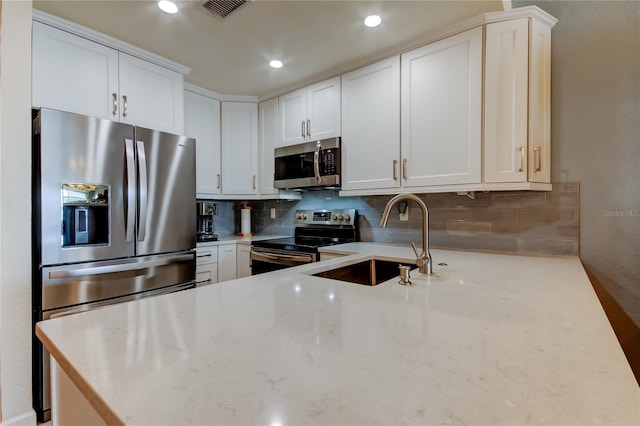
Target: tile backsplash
519	222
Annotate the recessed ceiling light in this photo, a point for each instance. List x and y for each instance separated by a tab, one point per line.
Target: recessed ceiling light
168	6
372	21
275	64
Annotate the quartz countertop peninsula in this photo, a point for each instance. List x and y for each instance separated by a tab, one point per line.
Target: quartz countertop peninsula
487	339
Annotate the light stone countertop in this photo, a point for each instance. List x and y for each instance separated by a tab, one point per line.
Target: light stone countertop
238	239
488	339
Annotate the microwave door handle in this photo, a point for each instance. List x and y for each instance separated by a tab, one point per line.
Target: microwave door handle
129	208
316	162
142	190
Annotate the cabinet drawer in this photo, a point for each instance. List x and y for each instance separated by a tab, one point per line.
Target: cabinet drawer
206	255
206	274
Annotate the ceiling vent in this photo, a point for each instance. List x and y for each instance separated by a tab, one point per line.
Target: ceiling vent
223	8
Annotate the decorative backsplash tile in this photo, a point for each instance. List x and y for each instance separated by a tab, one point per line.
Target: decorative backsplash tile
519	222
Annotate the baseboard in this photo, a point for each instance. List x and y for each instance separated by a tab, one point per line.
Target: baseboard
24	419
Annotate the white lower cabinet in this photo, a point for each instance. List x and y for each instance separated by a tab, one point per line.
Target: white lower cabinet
206	265
227	262
243	259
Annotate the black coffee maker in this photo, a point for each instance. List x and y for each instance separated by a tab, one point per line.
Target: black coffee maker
206	211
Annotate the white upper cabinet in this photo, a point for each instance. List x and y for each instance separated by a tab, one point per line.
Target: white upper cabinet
74	74
517	86
151	96
239	148
371	126
268	139
202	122
441	121
311	113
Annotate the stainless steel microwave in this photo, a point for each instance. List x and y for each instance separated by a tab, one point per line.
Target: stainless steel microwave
311	165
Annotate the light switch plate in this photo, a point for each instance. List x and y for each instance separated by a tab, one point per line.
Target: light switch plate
273	212
405	215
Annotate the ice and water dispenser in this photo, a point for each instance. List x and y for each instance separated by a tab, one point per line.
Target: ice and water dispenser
85	214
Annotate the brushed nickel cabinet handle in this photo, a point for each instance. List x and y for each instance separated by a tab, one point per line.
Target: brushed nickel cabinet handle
115	104
522	158
124	108
404	169
254	181
303	132
308	127
219	180
395	169
537	152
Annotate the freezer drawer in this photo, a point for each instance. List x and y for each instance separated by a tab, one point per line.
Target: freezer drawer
77	284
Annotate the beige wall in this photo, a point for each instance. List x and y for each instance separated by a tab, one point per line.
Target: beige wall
596	135
15	213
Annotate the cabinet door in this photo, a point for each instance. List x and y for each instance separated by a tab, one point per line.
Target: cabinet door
371	126
323	110
293	117
243	266
441	91
226	262
505	104
239	148
268	139
150	95
202	122
540	103
73	74
206	274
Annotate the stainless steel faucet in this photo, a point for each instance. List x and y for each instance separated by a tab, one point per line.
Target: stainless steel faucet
423	260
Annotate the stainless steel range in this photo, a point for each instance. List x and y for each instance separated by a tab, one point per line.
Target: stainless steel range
313	229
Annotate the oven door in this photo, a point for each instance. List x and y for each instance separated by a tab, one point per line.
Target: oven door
267	260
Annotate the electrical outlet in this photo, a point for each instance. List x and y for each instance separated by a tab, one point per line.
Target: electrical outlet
273	212
405	215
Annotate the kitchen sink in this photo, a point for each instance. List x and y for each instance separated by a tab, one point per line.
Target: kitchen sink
370	272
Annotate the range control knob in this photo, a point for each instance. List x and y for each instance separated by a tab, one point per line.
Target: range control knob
304	216
340	217
298	216
347	217
334	217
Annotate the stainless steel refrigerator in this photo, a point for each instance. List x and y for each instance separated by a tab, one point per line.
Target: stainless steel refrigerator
113	219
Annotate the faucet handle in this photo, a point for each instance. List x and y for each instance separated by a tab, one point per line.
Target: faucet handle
415	250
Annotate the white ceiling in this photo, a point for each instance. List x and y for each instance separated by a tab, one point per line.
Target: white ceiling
315	39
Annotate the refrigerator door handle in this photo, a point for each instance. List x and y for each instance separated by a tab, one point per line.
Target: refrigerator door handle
129	208
120	267
142	190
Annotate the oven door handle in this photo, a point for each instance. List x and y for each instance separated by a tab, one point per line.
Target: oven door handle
280	258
